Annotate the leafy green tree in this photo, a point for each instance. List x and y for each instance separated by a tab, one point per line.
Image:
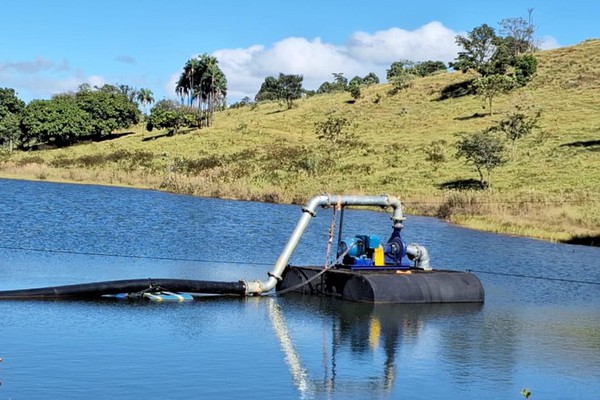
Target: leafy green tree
427	68
479	47
354	90
291	88
269	90
482	150
525	67
59	121
488	87
166	114
339	84
519	123
108	107
370	79
356	81
11	108
401	82
130	92
398	68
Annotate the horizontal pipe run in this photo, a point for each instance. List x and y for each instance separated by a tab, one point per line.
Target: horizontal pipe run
98	289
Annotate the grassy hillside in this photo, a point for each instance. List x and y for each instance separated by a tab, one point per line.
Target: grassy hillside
549	189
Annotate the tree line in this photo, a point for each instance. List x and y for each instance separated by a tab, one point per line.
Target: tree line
90	113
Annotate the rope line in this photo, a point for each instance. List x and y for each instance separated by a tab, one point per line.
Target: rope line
83	253
534	277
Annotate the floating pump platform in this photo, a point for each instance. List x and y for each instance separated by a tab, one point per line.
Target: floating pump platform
366	269
385	286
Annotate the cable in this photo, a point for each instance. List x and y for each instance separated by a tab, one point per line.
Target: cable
533	277
83	253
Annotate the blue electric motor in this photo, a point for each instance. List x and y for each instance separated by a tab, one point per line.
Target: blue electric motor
367	251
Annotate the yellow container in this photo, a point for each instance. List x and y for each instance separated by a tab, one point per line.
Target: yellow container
378	258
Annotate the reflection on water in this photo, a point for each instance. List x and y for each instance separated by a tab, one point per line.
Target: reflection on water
360	330
543	335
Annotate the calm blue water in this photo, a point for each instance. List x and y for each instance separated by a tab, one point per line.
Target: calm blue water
536	334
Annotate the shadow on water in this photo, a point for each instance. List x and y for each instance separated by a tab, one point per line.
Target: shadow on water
587	240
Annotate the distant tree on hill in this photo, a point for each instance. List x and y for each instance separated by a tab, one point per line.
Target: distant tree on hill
520	31
482	150
11	108
398	68
269	90
370	79
291	88
427	68
488	87
166	114
519	122
203	84
287	88
59	121
108	107
339	84
479	47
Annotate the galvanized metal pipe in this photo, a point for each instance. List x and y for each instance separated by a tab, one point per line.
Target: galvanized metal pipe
309	211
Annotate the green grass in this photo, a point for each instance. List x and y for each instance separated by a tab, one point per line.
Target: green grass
550	189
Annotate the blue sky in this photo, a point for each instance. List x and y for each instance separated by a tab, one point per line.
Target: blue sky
53	46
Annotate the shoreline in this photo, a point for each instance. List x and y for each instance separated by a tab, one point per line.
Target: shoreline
150	182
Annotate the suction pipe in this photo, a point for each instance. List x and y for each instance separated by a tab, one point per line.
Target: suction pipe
309	211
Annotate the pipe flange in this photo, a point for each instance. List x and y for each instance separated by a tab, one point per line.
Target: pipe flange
278	278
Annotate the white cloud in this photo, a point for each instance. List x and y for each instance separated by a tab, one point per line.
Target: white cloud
41	78
432	41
548	43
246	68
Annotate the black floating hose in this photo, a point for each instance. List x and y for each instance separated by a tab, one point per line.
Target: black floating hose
98	289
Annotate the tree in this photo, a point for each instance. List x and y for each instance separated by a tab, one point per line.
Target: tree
339	84
286	87
370	79
525	67
203	84
520	31
144	96
336	131
269	90
11	108
291	88
490	86
398	68
519	123
166	114
479	47
482	150
108	107
59	121
354	90
427	68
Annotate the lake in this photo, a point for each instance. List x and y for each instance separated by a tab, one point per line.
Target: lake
540	334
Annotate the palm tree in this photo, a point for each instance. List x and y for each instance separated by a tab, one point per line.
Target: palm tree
203	81
144	96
